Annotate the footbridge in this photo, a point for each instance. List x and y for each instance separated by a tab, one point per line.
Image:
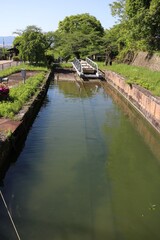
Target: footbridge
86	68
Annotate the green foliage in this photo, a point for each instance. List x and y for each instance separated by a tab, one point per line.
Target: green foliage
83	23
139	28
78	35
143	77
66	65
16	58
112	40
118	9
134	6
20	95
3	53
11	70
32	44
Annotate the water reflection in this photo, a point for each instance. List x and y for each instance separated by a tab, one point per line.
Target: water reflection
133	171
79	89
150	136
85	172
135	179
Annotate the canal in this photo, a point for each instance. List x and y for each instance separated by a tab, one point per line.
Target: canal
90	169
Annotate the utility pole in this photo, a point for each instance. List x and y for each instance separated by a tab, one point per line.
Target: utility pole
3	48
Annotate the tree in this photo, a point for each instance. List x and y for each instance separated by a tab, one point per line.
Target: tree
118	9
32	44
155	24
78	35
134	6
144	17
141	24
84	23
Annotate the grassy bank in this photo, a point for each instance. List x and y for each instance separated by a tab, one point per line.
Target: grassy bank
11	70
143	77
20	94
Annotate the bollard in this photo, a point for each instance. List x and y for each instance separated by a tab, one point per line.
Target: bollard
23	73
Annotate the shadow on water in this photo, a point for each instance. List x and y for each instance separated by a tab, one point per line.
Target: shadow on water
18	147
133	168
148	133
87	170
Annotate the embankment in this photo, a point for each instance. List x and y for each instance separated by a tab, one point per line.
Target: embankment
15	141
141	99
145	59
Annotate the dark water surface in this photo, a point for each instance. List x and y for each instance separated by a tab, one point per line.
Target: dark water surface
90	170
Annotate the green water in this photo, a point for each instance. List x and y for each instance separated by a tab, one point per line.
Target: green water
90	170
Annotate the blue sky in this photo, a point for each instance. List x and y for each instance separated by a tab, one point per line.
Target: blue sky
18	14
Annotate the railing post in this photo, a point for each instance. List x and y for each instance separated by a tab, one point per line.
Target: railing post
92	63
77	66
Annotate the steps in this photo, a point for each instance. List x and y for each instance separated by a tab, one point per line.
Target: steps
86	68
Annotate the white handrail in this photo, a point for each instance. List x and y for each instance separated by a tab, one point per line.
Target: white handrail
83	70
92	64
76	63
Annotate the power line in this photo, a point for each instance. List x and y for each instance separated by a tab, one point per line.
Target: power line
11	219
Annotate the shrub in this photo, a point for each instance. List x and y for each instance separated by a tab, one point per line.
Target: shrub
20	95
16	58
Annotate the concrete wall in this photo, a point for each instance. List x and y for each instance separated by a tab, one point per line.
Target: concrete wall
15	142
141	99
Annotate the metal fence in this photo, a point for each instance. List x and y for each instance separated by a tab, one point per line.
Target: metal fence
9	64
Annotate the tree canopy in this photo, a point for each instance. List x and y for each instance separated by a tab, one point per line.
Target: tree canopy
78	35
139	24
82	35
33	44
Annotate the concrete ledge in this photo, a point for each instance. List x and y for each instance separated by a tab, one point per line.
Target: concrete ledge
140	98
24	121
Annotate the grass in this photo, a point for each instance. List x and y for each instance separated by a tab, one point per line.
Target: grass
11	70
66	65
20	94
141	76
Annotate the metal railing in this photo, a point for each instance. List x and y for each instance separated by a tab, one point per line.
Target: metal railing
83	68
92	64
77	65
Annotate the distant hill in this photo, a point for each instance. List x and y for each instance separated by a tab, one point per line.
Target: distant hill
7	41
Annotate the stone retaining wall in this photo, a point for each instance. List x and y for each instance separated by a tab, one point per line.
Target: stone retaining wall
26	117
144	59
141	99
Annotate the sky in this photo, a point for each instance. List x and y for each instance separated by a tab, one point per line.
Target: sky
18	14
